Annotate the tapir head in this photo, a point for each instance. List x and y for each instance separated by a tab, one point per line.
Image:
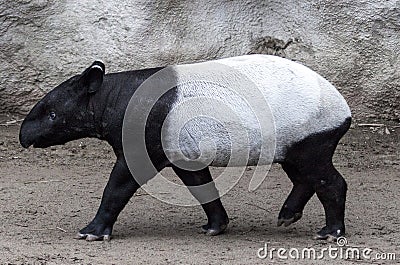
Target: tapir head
64	113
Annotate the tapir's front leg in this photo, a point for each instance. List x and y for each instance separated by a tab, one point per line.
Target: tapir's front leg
120	188
217	218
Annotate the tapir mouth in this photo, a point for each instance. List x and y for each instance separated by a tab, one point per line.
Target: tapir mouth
40	145
33	144
36	144
25	143
40	142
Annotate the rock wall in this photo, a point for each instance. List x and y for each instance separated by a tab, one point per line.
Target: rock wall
354	44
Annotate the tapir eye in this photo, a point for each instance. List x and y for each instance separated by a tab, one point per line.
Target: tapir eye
52	115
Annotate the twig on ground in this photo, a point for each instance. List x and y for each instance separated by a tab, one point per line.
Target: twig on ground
371	125
41	229
259	207
42	181
12	122
59	228
21	225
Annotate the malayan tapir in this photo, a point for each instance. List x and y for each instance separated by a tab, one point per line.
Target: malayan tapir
310	117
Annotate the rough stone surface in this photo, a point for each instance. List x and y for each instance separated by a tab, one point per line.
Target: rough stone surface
354	44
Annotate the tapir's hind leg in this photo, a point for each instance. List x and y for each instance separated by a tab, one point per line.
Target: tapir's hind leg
331	190
216	214
311	158
302	191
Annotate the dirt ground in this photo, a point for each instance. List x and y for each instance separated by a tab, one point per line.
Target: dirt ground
47	195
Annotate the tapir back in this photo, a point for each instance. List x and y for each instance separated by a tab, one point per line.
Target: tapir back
293	100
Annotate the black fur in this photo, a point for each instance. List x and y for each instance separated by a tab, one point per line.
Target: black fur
309	166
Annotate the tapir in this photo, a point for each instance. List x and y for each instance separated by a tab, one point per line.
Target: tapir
308	116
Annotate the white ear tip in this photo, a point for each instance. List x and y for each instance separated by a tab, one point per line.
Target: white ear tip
98	66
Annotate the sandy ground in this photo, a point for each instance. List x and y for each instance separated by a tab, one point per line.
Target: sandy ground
47	195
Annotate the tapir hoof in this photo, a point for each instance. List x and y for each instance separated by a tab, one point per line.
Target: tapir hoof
95	231
330	234
287	220
213	230
91	237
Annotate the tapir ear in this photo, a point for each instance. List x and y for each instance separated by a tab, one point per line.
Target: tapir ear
92	78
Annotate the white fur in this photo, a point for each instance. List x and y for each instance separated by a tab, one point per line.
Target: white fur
97	66
300	100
